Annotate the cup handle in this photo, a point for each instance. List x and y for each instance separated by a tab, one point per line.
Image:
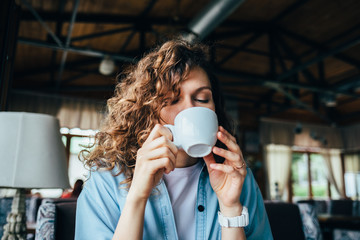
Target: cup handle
172	130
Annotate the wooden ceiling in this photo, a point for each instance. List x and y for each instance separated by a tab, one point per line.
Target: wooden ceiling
278	59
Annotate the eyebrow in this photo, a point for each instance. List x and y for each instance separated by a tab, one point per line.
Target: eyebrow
202	88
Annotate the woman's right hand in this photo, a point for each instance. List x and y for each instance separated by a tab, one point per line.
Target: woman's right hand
156	157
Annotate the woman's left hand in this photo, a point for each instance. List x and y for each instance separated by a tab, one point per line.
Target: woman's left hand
227	178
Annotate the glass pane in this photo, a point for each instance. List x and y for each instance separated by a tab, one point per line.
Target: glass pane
319	181
76	167
299	172
352	182
79	143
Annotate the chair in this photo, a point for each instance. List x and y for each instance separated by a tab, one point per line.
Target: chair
56	220
321	206
285	220
341	207
65	220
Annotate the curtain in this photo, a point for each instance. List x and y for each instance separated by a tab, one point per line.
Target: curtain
80	114
332	160
278	164
352	162
71	112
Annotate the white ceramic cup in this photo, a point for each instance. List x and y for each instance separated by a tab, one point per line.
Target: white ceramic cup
194	131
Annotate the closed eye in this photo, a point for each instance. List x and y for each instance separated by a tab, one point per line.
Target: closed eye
202	100
174	101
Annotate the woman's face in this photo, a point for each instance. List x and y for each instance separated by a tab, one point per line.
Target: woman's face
195	91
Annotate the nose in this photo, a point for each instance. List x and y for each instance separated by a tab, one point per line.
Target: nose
188	103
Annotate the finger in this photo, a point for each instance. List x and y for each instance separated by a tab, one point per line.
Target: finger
158	131
209	159
161	142
234	157
222	129
161	163
241	166
224	168
161	153
228	141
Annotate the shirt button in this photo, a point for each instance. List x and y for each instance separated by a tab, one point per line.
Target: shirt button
201	208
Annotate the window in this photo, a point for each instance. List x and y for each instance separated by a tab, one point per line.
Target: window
311	167
319	182
299	174
352	175
75	140
313	173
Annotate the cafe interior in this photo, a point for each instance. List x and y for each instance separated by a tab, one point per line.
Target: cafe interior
289	71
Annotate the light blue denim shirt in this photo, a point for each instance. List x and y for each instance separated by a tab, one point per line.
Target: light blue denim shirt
101	201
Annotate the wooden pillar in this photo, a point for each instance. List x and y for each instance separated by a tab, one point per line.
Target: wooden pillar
342	158
290	187
311	195
9	22
67	148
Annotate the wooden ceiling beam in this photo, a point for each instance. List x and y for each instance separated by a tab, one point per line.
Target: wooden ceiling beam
268	82
58	31
302	104
252	77
321	56
138	25
293	7
53	16
296	61
238	49
347	84
272	54
93	88
251	51
42	70
320	47
102	34
258	33
67	43
78	50
35	14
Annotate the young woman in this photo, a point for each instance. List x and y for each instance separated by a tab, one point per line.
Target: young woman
142	186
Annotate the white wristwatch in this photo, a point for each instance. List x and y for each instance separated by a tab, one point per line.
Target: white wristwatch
238	221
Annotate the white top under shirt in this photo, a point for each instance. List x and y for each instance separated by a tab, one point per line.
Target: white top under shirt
182	184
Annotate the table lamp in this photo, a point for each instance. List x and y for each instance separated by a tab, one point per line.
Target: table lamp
32	155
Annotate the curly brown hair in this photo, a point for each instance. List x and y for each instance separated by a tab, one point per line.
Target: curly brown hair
135	107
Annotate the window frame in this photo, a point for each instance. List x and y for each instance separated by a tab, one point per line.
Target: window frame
308	153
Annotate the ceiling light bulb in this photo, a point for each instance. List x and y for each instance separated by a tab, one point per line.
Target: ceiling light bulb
107	66
329	100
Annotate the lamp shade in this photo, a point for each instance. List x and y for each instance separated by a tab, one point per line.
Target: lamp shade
32	154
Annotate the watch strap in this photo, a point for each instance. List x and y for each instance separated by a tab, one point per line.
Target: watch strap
238	221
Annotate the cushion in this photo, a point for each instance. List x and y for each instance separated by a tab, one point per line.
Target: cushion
310	221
